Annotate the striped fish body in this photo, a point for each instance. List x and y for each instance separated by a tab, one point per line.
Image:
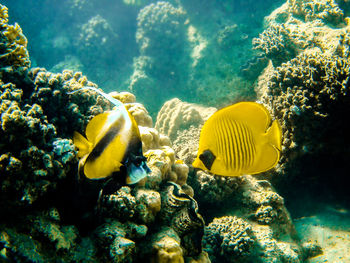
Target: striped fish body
236	141
110	137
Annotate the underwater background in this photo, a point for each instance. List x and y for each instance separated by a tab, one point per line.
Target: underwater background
173	64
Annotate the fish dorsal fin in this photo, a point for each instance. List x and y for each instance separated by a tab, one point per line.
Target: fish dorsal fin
96	126
253	114
114	101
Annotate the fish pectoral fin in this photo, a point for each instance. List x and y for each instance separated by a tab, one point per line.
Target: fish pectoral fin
136	173
117	166
82	144
271	149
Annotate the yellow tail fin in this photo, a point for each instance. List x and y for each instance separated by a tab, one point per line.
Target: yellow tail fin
82	144
274	135
271	150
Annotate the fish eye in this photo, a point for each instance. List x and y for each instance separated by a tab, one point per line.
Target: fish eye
138	161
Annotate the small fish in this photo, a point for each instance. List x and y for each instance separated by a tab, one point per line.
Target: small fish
237	140
112	146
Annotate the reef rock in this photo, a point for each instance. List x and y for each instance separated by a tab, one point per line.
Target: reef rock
176	115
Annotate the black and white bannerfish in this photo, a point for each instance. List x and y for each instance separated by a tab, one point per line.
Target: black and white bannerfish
112	147
239	139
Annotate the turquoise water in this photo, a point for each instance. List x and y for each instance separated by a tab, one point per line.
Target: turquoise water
179	61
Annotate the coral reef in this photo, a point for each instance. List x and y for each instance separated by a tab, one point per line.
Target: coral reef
161	219
309	88
229	237
35	130
162	38
326	10
176	115
260	220
302	27
38	168
97	36
13	44
261	228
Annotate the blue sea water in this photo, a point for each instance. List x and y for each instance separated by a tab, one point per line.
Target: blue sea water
104	40
203	52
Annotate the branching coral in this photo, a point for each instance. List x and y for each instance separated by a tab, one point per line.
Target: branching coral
306	95
326	10
276	43
13	44
302	27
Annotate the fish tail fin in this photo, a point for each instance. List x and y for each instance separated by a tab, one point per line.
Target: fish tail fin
271	152
274	135
81	143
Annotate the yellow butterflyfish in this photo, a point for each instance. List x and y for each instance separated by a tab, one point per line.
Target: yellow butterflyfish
112	146
239	140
